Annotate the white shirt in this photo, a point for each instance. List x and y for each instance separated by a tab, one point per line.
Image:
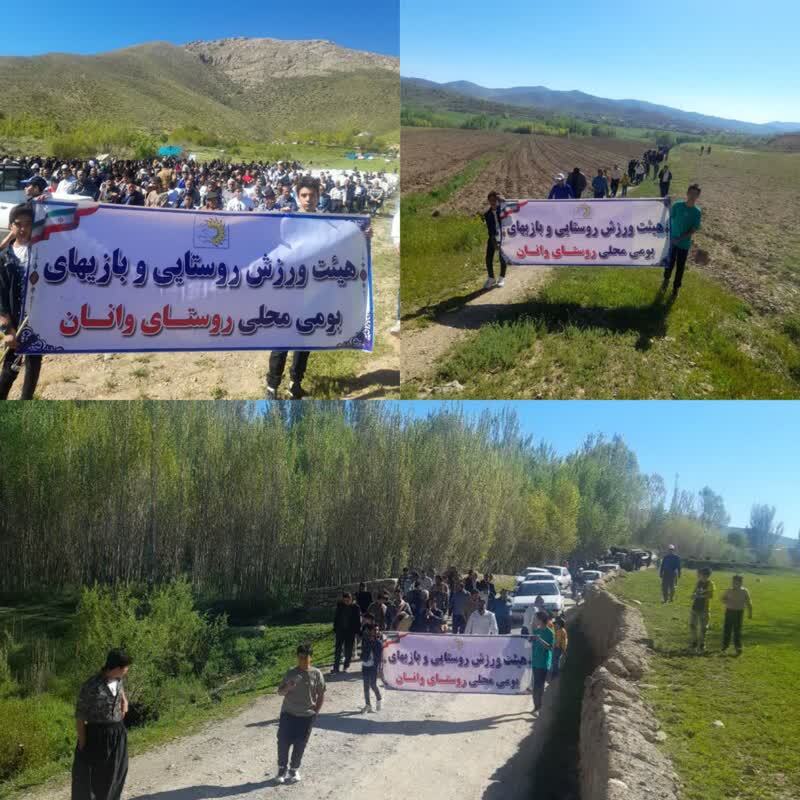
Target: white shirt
113	687
482	624
234	204
528	617
21	252
64	184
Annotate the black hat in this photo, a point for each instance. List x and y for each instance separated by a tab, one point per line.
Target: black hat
39	182
22	210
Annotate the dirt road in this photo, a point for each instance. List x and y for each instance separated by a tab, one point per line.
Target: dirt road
423	347
466	746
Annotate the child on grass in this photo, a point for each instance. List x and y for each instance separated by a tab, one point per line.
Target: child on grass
736	600
699	615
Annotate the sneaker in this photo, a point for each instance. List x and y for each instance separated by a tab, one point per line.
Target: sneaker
296	391
272	393
294	776
366	710
501	282
334	671
282	775
379	705
395	329
489	283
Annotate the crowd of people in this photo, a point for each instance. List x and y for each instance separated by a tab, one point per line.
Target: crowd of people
213	185
172	183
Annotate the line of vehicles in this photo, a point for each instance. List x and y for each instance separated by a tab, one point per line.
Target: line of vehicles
552	582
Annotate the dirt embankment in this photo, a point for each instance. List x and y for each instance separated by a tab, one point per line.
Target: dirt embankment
619	754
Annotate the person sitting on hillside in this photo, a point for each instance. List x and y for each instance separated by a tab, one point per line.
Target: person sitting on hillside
599	185
577	183
561	189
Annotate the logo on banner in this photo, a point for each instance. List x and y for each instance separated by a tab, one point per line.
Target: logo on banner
211	232
584	211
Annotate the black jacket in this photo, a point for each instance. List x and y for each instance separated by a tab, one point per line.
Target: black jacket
347	619
10	285
491	223
576	182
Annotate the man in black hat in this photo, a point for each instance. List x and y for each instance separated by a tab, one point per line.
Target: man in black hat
14	261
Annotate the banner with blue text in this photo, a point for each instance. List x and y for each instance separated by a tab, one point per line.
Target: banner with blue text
451	663
611	232
106	278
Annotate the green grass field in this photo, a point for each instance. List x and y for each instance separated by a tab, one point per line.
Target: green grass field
755	756
607	333
49	710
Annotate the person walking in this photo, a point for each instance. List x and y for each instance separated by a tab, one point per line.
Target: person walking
698	618
481	622
371	654
377	608
577	183
639	173
502	612
669	573
616	177
493	229
346	625
363	597
684	221
303	692
542	639
100	763
624	183
599	185
559	646
459	602
664	180
561	189
736	600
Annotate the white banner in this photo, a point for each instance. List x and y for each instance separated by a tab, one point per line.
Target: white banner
424	662
614	232
106	278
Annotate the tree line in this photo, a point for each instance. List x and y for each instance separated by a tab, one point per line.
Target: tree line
261	504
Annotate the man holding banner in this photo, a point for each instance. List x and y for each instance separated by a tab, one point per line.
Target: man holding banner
14	260
492	219
684	220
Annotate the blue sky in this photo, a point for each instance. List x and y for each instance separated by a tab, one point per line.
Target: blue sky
721	57
745	451
88	27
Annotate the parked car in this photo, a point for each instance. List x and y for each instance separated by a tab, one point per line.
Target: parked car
528	591
589	576
561	574
532	572
608	567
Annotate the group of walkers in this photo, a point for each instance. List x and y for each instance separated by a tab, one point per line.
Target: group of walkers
283	186
214	185
736	600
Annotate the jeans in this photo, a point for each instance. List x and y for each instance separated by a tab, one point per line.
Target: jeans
614	187
459	623
698	624
624	191
277	364
503	625
676	255
33	366
733	625
491	247
664	187
346	643
539	679
370	678
293	732
668	587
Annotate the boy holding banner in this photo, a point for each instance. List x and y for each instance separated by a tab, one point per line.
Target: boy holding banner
541	657
684	220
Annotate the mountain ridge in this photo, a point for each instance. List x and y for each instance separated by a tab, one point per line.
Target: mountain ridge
625	112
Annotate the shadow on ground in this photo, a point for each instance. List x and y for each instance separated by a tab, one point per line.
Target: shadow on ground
207	792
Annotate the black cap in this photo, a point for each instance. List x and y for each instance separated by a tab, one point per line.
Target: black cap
39	182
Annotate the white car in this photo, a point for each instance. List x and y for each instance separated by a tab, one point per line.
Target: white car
590	576
528	591
532	572
608	567
561	574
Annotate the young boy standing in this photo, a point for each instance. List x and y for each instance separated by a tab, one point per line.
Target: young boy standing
371	655
541	656
560	646
303	692
698	619
736	600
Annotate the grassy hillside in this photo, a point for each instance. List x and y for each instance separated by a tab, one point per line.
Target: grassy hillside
159	87
755	755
